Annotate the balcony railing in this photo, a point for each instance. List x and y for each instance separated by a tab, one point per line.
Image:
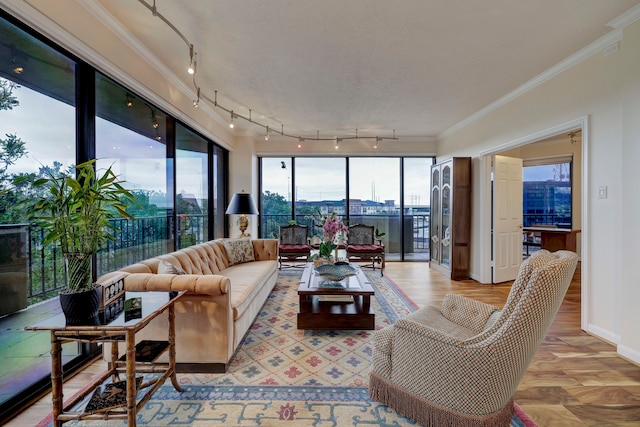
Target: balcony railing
416	229
35	272
40	268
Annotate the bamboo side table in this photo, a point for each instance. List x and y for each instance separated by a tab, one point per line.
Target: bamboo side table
121	329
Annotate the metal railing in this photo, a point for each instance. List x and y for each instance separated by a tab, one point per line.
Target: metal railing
416	228
562	221
42	266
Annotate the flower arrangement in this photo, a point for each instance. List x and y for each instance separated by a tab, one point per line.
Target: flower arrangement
332	230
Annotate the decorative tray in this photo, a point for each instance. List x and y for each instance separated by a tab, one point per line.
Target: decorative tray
336	272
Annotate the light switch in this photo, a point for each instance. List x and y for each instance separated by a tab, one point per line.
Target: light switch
602	192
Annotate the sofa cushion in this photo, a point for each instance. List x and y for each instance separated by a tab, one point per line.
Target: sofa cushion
165	267
246	281
239	250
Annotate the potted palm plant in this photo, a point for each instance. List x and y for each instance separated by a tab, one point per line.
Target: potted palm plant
75	213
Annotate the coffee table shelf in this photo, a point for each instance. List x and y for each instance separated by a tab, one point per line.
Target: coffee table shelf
314	314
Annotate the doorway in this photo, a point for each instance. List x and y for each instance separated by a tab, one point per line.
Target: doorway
552	141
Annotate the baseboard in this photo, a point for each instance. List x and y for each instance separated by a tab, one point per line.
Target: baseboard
629	354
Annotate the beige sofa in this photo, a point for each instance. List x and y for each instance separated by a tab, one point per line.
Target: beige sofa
224	298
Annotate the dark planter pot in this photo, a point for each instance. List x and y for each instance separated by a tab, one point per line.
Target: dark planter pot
81	308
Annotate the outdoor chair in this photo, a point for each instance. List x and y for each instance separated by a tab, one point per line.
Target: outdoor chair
363	246
294	245
461	364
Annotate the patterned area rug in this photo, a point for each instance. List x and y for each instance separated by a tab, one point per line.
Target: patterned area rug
285	376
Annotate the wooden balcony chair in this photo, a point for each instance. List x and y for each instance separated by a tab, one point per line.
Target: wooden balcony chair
460	364
363	246
294	245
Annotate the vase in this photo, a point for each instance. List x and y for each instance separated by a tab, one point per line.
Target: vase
81	308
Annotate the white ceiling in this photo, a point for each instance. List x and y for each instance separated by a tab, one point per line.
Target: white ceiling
330	67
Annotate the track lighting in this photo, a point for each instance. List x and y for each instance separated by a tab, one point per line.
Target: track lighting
196	101
192	70
192	61
154	120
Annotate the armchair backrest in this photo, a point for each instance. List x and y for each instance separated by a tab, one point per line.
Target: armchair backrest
360	234
293	234
527	316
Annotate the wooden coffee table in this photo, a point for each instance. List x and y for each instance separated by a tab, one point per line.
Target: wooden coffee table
321	305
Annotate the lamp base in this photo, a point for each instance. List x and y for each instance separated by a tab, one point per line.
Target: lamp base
243	223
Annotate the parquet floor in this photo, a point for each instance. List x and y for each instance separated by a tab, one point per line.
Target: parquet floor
574	379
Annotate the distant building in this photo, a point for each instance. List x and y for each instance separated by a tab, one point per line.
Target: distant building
547	203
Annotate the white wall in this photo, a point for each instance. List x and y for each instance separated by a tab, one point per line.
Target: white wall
607	90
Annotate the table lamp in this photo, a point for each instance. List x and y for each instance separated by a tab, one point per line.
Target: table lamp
242	204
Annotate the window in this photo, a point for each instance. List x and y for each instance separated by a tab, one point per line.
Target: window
374	198
320	188
416	184
37	135
390	193
131	137
547	185
275	200
192	188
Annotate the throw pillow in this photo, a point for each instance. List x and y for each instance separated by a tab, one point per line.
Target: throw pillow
166	267
239	250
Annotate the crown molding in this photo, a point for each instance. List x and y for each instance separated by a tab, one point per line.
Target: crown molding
626	19
618	24
598	46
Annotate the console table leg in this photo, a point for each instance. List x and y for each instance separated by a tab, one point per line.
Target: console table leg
172	347
131	377
56	379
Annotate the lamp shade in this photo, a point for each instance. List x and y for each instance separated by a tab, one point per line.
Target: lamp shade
242	204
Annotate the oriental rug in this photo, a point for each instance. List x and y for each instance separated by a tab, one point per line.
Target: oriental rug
284	376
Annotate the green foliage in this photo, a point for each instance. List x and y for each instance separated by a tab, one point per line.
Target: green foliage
7	100
76	211
275	204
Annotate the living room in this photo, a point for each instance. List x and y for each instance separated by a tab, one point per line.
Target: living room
594	87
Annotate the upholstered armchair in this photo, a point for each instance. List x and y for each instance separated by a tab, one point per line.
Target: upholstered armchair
362	246
293	245
461	364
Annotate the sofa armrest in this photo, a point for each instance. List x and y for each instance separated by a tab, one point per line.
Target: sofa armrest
209	284
265	249
467	312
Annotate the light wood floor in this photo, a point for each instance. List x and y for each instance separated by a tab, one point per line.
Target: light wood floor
574	380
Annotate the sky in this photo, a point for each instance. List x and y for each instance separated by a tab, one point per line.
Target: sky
373	178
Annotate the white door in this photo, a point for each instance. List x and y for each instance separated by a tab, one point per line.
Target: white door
507	218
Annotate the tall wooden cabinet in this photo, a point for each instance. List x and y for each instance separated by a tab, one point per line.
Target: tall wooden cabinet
450	222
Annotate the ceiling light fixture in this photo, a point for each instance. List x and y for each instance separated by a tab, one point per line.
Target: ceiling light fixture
196	101
193	55
192	61
154	120
129	100
572	135
266	135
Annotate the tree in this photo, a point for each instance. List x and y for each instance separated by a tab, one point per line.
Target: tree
12	148
7	100
275	204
